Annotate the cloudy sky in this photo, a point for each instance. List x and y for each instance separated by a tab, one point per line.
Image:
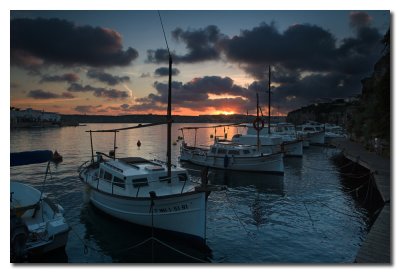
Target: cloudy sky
115	62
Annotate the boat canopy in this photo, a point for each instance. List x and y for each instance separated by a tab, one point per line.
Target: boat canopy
30	157
127	128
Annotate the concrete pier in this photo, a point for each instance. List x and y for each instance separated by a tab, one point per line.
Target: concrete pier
377	246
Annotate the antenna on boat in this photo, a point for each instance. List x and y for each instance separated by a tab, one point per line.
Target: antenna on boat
169	117
269	99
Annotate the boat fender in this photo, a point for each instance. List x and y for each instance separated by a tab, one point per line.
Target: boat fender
226	161
258	124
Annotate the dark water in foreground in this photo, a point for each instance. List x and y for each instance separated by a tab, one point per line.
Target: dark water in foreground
305	216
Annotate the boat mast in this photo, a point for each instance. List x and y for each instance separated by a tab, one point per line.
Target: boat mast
269	99
258	131
169	117
169	120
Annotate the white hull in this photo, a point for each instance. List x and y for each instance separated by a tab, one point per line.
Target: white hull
329	138
182	213
290	147
293	148
57	242
314	137
46	222
272	163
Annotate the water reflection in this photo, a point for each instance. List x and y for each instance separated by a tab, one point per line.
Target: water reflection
262	182
125	242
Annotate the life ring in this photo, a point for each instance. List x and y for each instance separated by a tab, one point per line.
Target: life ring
256	124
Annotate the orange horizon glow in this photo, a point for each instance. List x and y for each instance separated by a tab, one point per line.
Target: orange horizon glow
54	105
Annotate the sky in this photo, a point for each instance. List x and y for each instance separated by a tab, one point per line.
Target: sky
115	62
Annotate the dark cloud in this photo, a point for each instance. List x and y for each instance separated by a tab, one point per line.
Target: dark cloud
290	90
164	71
159	56
106	77
357	55
201	45
67	95
68	77
143	107
99	91
85	108
359	19
35	42
306	47
41	94
195	95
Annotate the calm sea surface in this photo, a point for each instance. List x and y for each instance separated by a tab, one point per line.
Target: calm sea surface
305	216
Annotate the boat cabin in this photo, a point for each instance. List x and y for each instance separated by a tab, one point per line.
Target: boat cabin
230	149
131	173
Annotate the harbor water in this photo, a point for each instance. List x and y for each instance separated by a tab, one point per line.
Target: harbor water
310	214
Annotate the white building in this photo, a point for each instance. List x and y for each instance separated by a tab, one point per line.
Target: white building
33	116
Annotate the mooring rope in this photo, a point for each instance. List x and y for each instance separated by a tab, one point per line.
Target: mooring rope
86	245
250	234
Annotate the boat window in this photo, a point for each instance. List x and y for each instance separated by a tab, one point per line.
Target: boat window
108	176
182	177
246	152
101	173
213	150
221	151
140	182
233	152
119	182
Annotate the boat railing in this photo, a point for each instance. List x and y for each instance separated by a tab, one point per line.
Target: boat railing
95	177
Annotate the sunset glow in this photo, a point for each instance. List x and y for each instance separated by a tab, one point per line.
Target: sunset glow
119	69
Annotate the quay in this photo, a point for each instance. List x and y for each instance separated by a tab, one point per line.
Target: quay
377	246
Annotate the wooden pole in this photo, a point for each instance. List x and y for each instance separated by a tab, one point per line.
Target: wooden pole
115	142
195	137
169	120
258	131
269	99
91	145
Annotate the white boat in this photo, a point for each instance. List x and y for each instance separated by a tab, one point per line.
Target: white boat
229	156
333	132
292	145
280	138
37	225
312	132
268	140
140	191
147	192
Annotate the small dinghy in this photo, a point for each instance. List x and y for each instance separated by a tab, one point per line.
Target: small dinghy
37	225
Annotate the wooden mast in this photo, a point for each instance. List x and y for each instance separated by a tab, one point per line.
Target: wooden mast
258	131
169	116
269	99
169	120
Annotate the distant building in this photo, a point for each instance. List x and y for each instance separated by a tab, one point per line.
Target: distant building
30	117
